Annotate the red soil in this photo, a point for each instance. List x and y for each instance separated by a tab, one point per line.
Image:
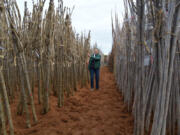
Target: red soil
86	113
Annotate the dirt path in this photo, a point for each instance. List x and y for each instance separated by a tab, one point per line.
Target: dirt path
86	113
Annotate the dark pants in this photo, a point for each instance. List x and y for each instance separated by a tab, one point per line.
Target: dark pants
96	72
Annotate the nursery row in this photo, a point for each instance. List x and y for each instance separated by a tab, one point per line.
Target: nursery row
145	59
40	55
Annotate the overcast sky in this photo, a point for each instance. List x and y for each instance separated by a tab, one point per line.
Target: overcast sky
94	15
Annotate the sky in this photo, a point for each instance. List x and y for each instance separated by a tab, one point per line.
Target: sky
93	15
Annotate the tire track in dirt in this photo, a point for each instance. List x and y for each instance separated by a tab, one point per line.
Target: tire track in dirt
86	113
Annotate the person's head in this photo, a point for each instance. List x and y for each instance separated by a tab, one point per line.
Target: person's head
96	51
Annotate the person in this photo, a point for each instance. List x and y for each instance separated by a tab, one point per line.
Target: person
94	68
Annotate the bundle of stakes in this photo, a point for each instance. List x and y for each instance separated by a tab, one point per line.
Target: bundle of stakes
40	56
145	59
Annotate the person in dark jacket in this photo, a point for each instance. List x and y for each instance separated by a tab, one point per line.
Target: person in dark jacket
94	67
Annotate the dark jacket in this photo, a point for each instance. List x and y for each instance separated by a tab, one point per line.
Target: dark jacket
95	62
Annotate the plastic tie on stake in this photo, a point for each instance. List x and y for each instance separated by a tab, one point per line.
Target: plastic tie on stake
2	56
147	48
15	63
170	33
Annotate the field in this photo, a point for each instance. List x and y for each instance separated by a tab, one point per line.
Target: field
44	75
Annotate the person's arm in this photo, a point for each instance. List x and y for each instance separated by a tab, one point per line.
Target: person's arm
98	57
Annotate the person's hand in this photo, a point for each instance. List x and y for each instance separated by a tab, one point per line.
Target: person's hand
89	55
87	62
